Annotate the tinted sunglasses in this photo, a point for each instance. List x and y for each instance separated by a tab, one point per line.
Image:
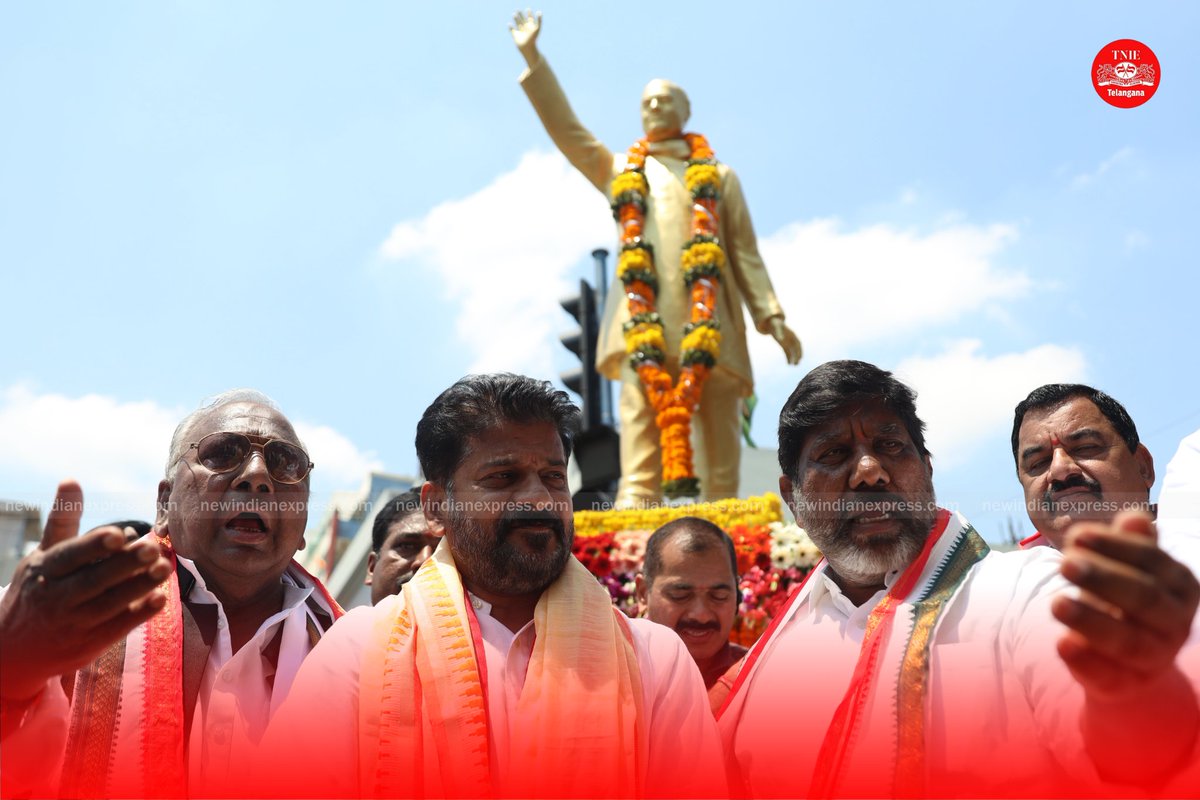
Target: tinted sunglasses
225	452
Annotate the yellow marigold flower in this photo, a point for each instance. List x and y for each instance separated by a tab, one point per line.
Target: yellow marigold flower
629	181
633	259
705	339
644	336
699	174
725	514
703	253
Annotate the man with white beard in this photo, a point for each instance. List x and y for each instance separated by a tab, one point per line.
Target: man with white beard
915	662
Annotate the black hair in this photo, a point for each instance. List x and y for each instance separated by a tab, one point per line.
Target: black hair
1053	395
824	391
399	507
140	527
479	402
700	537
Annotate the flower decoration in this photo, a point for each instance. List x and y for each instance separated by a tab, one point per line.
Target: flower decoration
629	550
772	556
760	510
702	260
595	553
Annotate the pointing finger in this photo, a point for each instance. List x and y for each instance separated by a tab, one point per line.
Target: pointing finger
62	523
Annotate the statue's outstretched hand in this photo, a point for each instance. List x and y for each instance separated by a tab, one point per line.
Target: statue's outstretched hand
525	29
787	339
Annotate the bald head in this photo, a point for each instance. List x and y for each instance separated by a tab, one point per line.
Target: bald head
665	110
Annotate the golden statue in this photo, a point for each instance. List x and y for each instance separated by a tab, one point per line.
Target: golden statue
672	213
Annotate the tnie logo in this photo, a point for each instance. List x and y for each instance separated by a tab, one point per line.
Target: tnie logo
1125	73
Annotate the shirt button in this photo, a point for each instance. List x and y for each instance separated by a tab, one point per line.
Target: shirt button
227	676
221	623
476	603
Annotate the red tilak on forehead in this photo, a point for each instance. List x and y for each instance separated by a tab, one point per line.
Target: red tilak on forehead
1055	441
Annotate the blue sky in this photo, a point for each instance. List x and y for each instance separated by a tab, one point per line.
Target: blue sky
350	206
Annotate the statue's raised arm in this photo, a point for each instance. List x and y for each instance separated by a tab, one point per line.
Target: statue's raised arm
674	330
525	29
585	152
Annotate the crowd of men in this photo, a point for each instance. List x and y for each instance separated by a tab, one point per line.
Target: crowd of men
199	660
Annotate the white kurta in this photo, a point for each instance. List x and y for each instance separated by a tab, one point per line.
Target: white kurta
232	710
1179	504
1002	707
683	756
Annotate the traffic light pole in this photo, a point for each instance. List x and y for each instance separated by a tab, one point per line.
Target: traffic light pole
600	255
597	447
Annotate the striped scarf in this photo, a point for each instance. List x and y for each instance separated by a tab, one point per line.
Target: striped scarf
875	743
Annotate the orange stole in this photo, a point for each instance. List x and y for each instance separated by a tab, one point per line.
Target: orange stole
91	746
579	725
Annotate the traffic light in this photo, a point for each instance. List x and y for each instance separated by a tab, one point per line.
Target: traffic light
597	446
584	381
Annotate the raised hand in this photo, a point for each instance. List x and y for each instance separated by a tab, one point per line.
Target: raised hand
73	597
525	29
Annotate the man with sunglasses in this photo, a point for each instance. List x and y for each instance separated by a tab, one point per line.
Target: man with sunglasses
151	667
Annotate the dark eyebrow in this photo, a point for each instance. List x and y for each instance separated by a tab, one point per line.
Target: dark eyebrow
1082	433
508	461
824	438
498	461
1085	433
1029	451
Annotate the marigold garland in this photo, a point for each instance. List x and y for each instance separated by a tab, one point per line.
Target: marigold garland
758	510
701	262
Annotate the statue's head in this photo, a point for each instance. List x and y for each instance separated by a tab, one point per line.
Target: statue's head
665	110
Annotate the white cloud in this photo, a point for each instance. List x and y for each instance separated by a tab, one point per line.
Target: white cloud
511	244
505	254
877	284
117	450
339	461
965	396
1087	178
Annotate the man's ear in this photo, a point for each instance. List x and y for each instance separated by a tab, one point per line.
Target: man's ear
639	594
929	465
370	568
1145	463
163	505
434	505
787	492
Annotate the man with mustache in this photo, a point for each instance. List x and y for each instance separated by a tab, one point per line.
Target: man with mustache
689	582
915	662
400	544
502	668
1078	458
149	667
